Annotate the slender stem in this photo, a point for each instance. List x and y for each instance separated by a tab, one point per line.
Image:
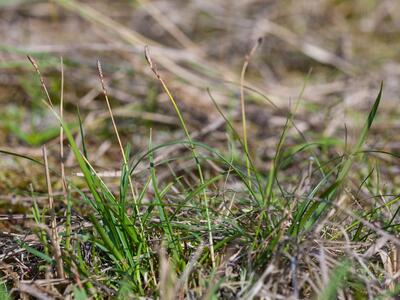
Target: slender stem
192	148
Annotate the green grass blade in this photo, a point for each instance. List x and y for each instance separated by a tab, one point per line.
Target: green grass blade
318	208
336	280
3	292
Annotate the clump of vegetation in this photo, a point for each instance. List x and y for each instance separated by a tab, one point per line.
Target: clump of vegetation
222	200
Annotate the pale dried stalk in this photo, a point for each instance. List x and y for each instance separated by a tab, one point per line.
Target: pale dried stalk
64	183
54	235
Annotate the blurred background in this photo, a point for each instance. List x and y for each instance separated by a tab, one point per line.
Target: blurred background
340	51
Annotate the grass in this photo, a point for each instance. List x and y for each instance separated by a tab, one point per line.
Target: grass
227	206
133	234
